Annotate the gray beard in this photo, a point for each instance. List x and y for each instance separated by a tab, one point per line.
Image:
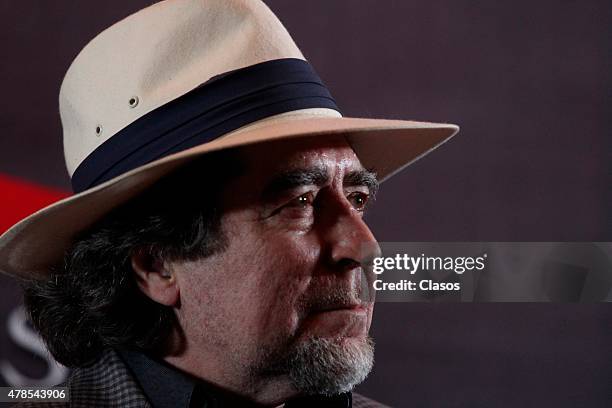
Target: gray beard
329	367
325	366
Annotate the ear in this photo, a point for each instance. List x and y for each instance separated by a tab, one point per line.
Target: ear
154	278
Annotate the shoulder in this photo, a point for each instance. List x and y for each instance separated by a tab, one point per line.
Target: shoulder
105	383
359	401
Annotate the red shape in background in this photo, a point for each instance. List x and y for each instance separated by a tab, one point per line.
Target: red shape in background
20	198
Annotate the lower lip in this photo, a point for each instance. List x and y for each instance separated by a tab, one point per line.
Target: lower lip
349	322
354	309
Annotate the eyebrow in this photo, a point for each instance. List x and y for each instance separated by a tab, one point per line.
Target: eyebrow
363	177
291	179
318	176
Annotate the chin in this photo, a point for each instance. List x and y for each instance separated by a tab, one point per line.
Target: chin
330	366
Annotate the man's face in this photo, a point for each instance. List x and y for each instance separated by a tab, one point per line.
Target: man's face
288	283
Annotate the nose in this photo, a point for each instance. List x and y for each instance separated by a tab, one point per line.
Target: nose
350	242
349	246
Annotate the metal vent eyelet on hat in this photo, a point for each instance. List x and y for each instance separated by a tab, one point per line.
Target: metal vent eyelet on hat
98	130
133	101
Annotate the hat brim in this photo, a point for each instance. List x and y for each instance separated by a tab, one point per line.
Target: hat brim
32	246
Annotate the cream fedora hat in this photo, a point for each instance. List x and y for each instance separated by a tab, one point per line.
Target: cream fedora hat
174	81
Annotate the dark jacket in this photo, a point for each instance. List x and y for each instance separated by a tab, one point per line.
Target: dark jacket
109	383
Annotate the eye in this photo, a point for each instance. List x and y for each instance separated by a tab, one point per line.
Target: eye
297	207
303	201
359	200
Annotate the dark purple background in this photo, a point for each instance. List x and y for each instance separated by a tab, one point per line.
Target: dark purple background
528	82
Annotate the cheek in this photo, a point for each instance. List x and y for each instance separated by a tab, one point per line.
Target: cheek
279	271
256	284
254	287
282	276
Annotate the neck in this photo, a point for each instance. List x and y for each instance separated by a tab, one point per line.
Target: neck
236	382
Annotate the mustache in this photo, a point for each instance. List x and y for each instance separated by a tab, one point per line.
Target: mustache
340	295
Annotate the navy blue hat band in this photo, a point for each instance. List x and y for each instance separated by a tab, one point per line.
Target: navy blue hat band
221	105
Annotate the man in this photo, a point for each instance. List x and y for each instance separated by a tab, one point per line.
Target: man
214	253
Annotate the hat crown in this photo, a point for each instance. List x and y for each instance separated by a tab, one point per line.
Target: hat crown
156	55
